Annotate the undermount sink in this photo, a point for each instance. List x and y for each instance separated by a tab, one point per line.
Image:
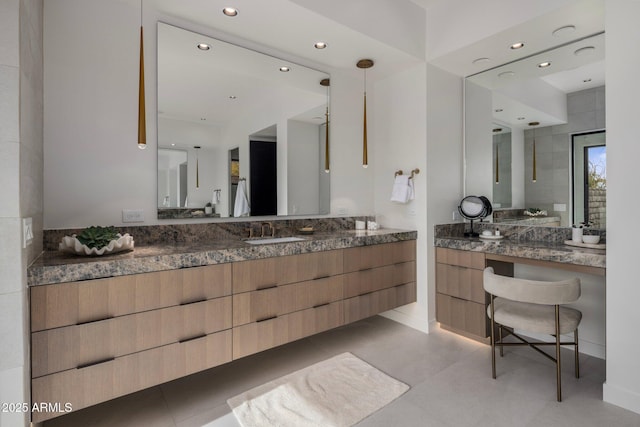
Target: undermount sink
274	240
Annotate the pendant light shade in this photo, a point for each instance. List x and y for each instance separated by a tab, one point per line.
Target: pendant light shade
197	147
326	83
534	175
364	64
142	124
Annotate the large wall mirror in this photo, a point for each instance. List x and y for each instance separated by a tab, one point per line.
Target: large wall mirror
528	128
237	129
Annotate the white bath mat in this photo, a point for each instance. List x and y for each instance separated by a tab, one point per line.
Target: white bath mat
336	392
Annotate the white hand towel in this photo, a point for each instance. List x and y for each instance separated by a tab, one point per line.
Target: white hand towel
241	206
401	190
412	190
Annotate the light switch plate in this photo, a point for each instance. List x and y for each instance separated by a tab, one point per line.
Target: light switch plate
559	207
27	232
132	215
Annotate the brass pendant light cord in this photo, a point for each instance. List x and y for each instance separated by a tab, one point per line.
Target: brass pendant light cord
534	176
142	125
497	164
326	83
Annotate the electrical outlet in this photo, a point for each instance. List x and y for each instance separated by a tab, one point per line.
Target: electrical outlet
411	211
132	215
456	216
27	232
559	207
342	210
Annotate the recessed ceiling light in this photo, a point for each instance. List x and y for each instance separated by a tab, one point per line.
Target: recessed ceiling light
586	80
285	69
480	60
203	118
544	64
497	129
320	45
203	46
516	46
232	97
173	144
506	74
521	118
587	50
498	110
563	31
230	11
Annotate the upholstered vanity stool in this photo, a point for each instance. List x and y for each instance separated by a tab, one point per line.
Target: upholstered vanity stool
532	306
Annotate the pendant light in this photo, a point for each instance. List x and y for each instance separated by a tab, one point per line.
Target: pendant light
497	145
326	83
534	176
142	124
364	64
197	147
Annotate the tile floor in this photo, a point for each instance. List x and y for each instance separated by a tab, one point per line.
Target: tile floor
450	379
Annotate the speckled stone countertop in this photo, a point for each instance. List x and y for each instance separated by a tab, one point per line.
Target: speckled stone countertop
56	267
536	243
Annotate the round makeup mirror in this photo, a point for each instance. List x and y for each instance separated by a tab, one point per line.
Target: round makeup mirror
474	208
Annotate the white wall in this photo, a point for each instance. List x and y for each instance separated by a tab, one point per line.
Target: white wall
303	195
93	168
478	136
21	190
623	151
444	160
398	135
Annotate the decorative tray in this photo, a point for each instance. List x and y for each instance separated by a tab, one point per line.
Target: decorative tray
586	245
71	245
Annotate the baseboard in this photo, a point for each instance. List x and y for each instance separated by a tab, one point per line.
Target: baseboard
618	396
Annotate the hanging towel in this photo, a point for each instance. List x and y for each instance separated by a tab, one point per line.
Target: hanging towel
402	189
412	190
241	206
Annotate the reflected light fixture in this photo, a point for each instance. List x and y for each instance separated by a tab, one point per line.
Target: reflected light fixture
534	176
197	147
364	64
230	11
544	64
285	69
326	83
142	123
496	130
203	46
516	46
320	45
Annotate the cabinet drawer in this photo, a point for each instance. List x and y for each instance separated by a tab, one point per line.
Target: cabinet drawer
373	303
73	303
258	336
460	282
375	279
68	347
365	257
460	258
98	383
269	272
463	315
252	306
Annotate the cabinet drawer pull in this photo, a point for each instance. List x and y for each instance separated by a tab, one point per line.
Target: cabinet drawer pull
94	320
97	362
193	302
192	338
266	318
321	305
262	288
322	277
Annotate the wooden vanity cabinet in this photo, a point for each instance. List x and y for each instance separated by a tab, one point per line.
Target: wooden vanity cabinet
378	278
99	339
95	340
271	309
461	301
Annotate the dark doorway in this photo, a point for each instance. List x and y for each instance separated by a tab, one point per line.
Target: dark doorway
263	178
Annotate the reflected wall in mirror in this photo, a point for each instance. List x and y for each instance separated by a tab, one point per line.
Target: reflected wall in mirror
567	98
223	97
501	166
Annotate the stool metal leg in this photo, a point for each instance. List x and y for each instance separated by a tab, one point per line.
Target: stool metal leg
493	339
575	337
558	364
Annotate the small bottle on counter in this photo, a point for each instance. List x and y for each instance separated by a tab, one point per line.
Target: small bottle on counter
497	232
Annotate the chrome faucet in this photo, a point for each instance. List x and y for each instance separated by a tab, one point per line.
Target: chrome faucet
269	226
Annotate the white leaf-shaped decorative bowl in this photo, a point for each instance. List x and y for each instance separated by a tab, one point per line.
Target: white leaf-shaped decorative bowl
71	245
